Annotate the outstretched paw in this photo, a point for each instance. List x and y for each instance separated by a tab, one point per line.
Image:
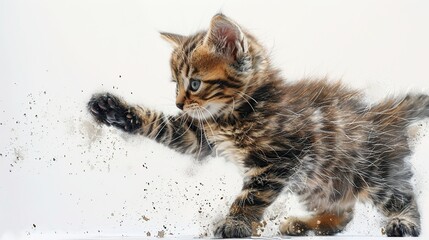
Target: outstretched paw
108	109
233	228
401	227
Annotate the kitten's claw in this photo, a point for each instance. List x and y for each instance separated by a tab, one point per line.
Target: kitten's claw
108	109
94	110
102	105
111	103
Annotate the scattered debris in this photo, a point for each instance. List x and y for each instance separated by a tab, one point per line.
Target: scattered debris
161	234
258	228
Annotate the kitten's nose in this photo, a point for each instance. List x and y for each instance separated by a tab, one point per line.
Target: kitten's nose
180	105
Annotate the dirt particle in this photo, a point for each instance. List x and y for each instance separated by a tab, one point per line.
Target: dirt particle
34	225
18	154
148	234
161	234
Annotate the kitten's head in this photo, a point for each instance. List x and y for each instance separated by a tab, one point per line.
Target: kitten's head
212	68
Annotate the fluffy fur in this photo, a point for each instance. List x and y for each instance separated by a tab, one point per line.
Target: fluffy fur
313	137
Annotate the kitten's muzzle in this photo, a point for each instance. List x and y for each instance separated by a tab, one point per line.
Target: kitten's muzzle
180	105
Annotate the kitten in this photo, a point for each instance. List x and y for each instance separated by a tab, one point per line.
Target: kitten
315	138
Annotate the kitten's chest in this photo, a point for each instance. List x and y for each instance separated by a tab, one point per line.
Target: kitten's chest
231	142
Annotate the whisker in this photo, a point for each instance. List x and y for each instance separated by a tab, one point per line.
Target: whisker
211	115
181	135
247	101
160	127
201	137
210	128
245	94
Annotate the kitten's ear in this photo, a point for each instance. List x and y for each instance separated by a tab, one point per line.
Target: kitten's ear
174	39
226	37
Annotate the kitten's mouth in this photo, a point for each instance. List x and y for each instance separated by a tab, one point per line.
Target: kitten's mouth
203	112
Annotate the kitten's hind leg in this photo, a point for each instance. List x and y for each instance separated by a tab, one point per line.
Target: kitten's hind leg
403	214
321	223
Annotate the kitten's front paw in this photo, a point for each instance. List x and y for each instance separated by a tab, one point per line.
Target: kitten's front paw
108	109
401	227
233	228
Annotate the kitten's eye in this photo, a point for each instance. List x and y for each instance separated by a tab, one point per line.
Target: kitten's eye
194	85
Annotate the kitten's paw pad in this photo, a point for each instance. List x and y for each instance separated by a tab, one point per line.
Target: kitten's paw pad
108	109
233	228
293	227
400	227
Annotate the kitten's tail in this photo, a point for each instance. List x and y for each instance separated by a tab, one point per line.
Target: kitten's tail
401	112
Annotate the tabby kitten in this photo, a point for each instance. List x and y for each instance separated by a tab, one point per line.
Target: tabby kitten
315	138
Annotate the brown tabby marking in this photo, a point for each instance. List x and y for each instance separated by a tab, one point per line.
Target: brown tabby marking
322	224
315	138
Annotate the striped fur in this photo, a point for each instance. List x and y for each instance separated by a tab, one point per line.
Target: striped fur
313	137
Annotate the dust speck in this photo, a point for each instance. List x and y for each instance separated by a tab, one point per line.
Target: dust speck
18	154
161	234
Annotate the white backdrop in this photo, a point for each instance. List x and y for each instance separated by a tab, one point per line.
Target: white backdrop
63	176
